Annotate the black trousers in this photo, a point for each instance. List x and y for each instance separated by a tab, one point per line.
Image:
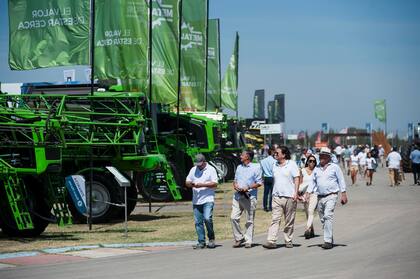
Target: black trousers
268	191
416	172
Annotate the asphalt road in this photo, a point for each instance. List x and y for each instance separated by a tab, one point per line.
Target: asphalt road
376	235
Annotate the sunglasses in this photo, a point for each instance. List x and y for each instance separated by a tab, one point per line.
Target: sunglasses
311	161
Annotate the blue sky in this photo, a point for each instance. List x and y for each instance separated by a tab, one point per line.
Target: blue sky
332	59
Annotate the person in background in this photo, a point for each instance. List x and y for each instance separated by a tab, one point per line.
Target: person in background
203	179
328	181
415	164
393	161
381	154
362	162
346	158
285	194
339	152
306	178
371	166
354	167
267	170
246	183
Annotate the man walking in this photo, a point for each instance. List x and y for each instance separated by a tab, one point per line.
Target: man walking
285	193
267	169
202	178
247	180
328	182
415	164
393	161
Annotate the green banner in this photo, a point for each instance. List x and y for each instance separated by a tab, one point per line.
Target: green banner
213	66
230	80
48	33
121	40
270	111
380	110
165	51
193	54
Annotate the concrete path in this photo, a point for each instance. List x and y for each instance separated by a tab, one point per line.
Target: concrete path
376	235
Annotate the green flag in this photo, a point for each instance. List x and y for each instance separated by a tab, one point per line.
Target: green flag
193	54
380	110
165	51
270	111
48	33
213	66
121	40
230	80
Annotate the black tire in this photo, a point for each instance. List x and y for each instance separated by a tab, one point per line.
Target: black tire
38	208
223	165
106	192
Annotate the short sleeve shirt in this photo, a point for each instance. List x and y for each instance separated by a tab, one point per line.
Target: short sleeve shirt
284	185
246	175
202	195
393	160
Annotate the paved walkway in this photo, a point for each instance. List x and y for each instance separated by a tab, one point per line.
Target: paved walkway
376	236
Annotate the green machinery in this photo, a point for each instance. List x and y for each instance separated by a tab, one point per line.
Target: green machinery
44	138
181	137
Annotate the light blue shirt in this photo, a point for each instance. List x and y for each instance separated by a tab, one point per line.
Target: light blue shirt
267	166
415	156
327	180
245	176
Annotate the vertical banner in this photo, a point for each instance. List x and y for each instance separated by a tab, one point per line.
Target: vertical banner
193	54
279	108
48	33
121	40
380	110
325	128
259	104
368	128
410	134
165	51
230	80
213	66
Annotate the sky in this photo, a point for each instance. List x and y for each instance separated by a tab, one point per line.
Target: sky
331	59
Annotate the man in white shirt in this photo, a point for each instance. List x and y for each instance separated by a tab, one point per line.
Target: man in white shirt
393	161
328	182
286	175
203	179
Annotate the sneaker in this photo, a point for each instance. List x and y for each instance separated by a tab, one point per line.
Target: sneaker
327	245
270	245
289	245
248	245
238	243
199	246
211	244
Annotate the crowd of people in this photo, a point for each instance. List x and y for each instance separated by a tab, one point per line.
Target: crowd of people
316	179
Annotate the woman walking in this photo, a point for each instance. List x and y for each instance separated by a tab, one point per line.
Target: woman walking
305	179
370	164
354	167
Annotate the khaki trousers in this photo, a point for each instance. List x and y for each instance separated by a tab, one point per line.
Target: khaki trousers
238	207
393	176
310	209
282	206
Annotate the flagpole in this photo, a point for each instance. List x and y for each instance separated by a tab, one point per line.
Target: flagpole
220	67
237	75
150	57
207	56
179	75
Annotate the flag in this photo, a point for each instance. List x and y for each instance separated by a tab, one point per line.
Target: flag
122	40
230	80
165	51
48	33
193	54
213	66
380	110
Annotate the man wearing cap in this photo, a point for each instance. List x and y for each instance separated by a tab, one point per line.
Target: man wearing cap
247	180
327	183
202	178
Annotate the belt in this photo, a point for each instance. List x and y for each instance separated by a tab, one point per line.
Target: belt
326	195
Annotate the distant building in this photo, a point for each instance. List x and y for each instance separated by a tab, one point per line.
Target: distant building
279	104
259	102
270	111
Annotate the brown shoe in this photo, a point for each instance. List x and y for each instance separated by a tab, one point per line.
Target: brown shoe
327	245
289	245
248	245
238	243
270	245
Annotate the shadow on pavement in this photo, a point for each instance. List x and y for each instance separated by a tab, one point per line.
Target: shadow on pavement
319	245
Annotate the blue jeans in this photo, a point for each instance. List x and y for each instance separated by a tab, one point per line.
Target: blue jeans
268	191
203	213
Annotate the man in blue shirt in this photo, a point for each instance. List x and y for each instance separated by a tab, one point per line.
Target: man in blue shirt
415	164
267	169
328	182
247	180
